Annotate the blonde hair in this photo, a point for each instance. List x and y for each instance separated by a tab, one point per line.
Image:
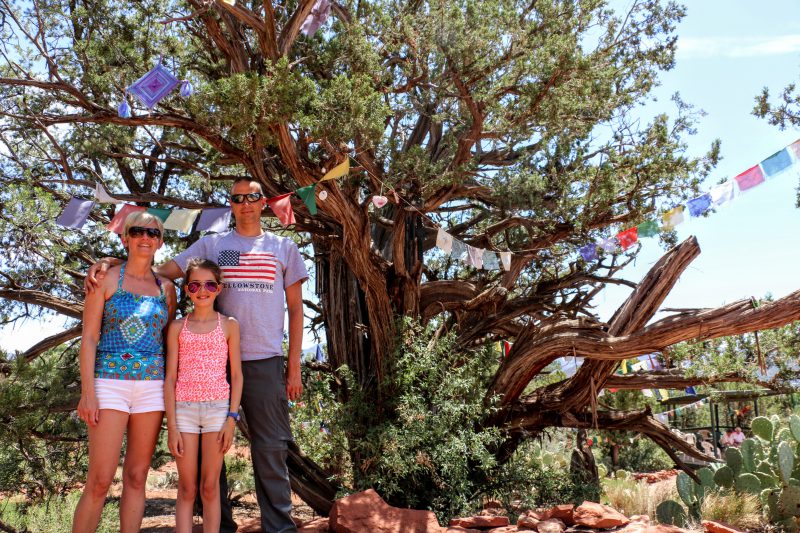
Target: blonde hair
140	218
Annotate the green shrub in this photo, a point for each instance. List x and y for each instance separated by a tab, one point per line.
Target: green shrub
643	455
53	515
424	446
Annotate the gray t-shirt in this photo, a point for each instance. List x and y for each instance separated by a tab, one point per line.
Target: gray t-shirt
257	270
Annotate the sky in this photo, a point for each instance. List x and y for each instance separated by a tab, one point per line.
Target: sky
727	52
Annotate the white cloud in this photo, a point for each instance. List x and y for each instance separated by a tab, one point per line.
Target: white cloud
737	47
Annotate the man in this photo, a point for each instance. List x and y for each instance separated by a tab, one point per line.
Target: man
259	268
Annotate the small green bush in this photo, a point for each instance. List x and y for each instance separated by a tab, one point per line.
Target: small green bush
53	515
643	455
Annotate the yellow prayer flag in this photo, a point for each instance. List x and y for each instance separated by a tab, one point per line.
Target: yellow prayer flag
338	171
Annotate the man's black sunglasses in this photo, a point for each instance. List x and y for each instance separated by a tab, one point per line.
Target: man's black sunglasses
139	231
250	197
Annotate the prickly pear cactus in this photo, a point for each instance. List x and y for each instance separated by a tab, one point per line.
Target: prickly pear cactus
762	427
748	450
724	477
733	457
789	501
706	476
785	461
670	512
794	426
748	483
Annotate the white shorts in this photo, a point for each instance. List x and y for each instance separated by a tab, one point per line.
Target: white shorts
130	396
201	417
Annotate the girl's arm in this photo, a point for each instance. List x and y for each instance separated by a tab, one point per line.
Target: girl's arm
174	440
92	321
231	329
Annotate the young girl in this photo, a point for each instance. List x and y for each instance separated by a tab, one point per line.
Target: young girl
199	402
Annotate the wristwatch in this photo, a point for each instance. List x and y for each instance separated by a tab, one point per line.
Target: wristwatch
236	416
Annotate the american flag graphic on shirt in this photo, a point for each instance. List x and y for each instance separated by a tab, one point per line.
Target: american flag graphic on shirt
256	267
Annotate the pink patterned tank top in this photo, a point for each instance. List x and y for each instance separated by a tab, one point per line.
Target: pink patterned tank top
202	358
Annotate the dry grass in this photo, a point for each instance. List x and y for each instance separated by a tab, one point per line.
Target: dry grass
633	497
737	509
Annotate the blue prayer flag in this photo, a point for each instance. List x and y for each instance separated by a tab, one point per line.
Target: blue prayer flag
589	252
690	391
75	214
320	356
777	162
216	219
698	206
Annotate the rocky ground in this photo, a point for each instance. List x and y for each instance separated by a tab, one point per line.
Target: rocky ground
366	512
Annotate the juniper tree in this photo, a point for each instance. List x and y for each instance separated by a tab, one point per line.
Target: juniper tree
515	126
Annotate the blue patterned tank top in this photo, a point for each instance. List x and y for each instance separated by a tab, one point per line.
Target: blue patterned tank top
131	344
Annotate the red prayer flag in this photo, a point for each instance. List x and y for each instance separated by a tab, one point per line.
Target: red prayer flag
750	178
628	237
117	223
795	149
282	207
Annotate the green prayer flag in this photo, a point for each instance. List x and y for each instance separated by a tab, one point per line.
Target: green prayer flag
648	229
309	197
161	213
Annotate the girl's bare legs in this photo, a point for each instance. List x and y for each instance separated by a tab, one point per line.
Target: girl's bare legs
209	482
187	483
143	430
105	443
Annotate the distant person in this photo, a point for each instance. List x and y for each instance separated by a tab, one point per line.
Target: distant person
737	437
122	374
726	440
199	402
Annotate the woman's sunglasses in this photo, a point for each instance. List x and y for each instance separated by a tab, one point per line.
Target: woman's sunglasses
250	197
139	231
194	286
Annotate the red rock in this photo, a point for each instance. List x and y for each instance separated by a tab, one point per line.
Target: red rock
666	529
319	525
504	529
562	512
480	522
529	519
599	516
640	518
366	511
551	525
711	526
459	529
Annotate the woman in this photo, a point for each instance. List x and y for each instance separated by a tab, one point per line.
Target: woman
122	374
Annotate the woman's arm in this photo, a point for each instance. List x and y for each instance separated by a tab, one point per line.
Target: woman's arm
172	298
231	329
92	322
174	440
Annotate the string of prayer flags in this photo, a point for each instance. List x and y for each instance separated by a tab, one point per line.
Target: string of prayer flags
505	259
342	169
182	220
588	252
458	250
318	16
282	207
475	257
160	212
444	241
117	223
309	196
647	229
215	219
75	213
490	260
102	196
750	178
628	237
722	193
777	163
673	217
698	206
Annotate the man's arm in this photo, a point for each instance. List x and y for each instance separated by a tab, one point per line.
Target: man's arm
294	305
170	270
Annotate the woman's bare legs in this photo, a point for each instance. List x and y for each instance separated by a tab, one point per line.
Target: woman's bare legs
105	443
187	483
143	430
